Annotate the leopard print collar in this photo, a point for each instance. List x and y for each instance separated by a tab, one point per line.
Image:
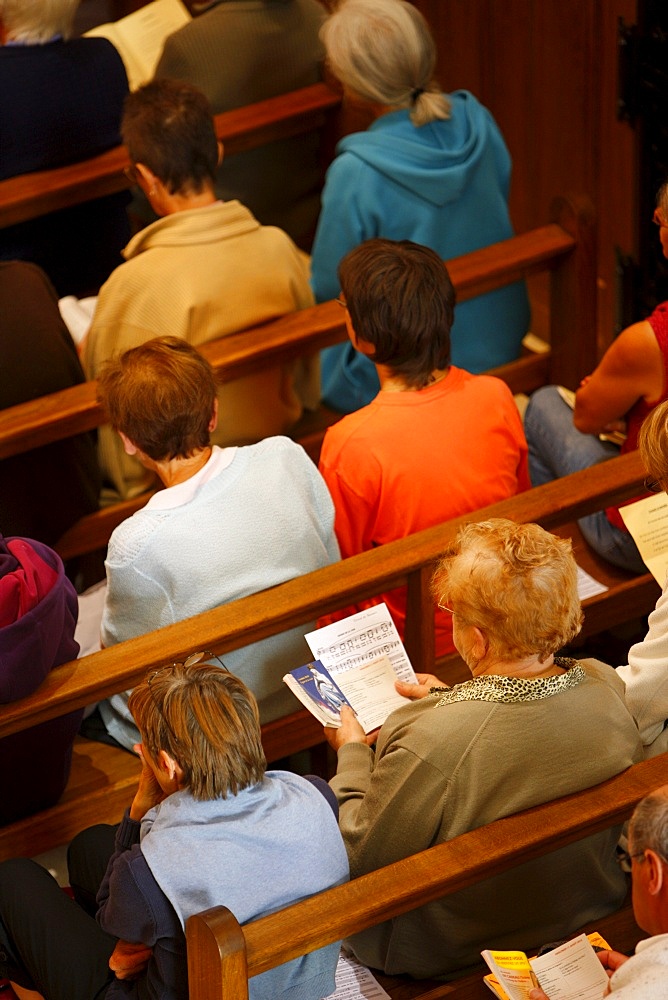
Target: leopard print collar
496	687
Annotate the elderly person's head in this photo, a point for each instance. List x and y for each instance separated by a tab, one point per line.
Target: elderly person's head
383	51
653	447
37	21
203	722
516	584
161	397
648	847
168	128
661	216
401	302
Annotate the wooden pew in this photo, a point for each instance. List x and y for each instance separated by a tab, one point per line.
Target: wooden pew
28	196
563	248
222	956
565	253
407	562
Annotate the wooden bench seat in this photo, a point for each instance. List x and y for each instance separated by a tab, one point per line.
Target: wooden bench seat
29	196
222	957
563	248
619	929
408	562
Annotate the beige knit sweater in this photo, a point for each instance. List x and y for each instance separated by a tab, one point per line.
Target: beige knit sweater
202	274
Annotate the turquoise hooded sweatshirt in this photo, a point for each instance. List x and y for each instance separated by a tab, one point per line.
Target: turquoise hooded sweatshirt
444	185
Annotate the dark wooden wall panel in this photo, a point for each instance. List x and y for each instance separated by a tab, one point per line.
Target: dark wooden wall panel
547	70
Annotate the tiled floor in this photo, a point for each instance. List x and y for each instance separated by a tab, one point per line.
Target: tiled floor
56	862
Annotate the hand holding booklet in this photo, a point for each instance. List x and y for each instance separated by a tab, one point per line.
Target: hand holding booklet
570	971
358	661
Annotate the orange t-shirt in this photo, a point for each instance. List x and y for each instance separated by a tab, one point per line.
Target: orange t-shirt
410	460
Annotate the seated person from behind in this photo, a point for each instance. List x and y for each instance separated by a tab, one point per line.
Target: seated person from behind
208	826
229	522
528	727
432	168
436	441
60	102
206	268
630	380
37	357
242	52
644	976
38	616
646	674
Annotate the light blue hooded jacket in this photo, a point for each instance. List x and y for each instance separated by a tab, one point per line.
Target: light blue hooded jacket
444	185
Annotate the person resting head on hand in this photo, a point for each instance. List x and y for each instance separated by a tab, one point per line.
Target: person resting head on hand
643	976
528	727
208	825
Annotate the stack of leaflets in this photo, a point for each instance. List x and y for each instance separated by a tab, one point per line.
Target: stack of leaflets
355	982
357	662
570	971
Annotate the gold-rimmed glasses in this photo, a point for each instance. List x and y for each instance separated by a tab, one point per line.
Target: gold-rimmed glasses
653	485
131	174
624	857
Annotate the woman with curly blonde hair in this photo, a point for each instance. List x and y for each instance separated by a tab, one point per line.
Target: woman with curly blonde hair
529	726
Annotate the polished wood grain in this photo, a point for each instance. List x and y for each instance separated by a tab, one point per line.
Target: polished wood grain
560	251
301	600
407	884
28	196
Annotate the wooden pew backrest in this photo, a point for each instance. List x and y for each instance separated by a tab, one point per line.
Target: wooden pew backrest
31	195
222	956
408	561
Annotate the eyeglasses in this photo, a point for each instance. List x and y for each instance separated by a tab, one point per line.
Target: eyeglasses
342	302
444	607
189	661
653	485
658	219
624	858
131	174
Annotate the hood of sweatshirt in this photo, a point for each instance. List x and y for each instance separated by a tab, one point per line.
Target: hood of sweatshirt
38	615
434	162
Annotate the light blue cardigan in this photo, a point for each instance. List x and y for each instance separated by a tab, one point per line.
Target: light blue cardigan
266	518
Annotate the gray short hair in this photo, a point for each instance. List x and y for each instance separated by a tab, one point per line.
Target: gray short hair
37	21
384	51
648	827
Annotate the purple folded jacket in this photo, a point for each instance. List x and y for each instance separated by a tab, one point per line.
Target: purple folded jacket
38	615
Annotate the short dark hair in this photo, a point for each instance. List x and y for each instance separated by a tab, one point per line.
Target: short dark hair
168	126
401	300
207	720
161	395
